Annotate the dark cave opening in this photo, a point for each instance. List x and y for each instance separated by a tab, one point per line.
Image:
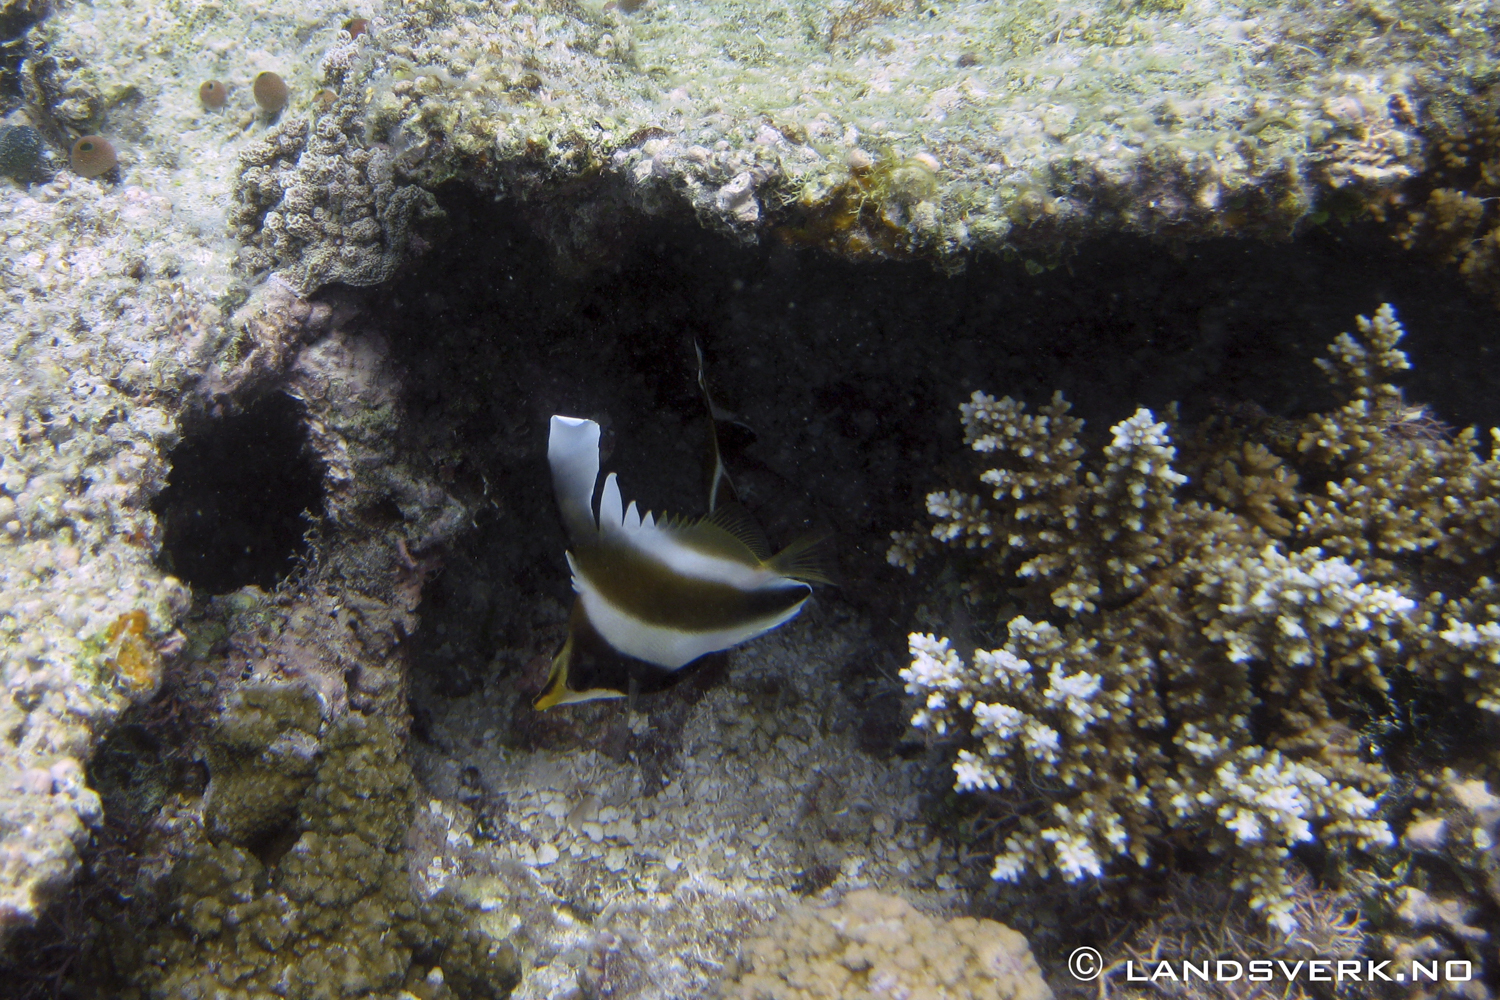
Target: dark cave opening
850	375
237	504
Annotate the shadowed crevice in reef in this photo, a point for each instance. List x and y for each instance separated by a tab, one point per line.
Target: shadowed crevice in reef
234	512
850	376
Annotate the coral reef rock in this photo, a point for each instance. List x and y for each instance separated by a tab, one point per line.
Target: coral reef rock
861	127
872	944
333	914
683	825
86	347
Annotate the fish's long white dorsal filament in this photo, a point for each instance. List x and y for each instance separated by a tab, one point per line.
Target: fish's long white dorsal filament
573	453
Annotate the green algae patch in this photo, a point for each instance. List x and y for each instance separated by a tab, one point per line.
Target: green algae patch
871	214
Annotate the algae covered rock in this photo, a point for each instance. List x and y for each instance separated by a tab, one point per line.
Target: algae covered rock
877	129
873	944
332	912
261	758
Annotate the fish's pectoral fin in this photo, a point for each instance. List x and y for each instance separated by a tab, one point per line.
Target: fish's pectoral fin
805	560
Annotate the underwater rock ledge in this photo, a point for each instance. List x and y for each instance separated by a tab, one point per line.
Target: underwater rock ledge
873	130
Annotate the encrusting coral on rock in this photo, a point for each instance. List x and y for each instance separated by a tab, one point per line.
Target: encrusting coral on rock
873	944
334	914
320	208
1195	654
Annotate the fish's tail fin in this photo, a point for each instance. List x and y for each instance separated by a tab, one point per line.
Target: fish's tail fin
805	559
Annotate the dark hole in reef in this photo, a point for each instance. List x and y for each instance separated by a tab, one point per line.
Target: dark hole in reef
270	846
131	773
850	376
382	514
814	879
15	20
235	510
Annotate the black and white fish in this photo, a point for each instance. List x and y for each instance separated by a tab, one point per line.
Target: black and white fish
663	593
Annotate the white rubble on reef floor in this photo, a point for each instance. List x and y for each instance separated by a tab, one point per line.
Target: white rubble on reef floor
601	876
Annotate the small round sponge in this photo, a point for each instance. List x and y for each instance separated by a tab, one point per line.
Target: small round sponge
92	156
271	92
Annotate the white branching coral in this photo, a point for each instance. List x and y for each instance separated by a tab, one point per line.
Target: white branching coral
936	672
1036	729
1475	648
1194	661
1289	607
